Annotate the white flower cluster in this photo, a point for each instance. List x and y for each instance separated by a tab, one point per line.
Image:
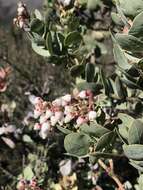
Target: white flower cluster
77	109
22	16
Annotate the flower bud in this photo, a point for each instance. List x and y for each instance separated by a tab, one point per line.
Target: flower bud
82	94
59	115
37	100
20	11
10	128
2	130
21	24
43	118
67	98
49	113
37	126
68	109
57	102
80	121
92	115
45	130
68	118
53	120
37	113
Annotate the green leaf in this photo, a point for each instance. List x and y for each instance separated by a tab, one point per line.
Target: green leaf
137	27
136	132
28	173
94	87
49	43
83	2
121	90
38	14
136	166
134	151
131	84
40	50
61	39
37	26
89	72
140	163
117	19
73	38
127	121
129	42
120	57
93	130
121	13
77	144
131	7
64	130
105	82
76	70
105	141
93	4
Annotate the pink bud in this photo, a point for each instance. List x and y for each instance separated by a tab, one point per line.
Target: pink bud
21	24
2	130
15	21
92	115
57	102
43	118
10	128
37	126
82	94
68	109
64	103
49	113
20	10
38	100
59	115
68	118
45	130
67	98
37	113
80	121
53	120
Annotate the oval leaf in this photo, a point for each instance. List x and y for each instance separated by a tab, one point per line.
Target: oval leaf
129	42
136	132
105	141
134	151
77	144
94	130
73	38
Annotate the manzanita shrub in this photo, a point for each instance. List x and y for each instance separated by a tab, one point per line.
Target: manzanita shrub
101	117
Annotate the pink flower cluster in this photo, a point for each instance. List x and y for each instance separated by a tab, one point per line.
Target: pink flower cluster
22	18
75	109
28	185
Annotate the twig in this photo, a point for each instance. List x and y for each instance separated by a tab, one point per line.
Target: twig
16	68
110	172
8	173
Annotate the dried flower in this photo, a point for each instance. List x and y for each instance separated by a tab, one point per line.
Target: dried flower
28	184
22	18
4	73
